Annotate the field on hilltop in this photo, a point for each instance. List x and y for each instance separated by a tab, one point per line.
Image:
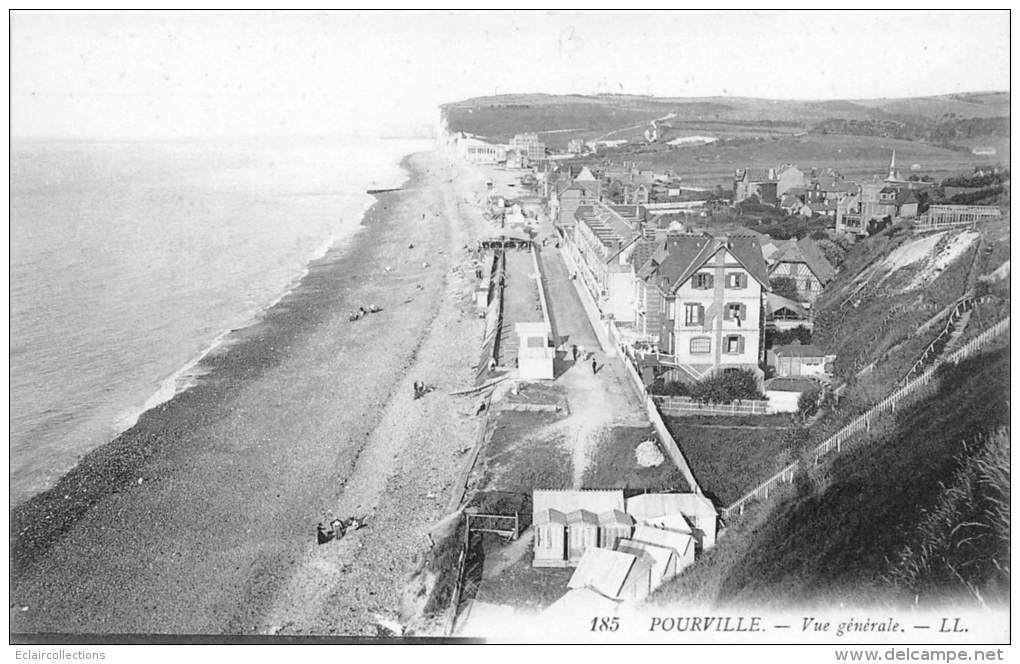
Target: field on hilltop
751	132
856	157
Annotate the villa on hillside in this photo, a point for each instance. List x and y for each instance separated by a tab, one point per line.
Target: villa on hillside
709	292
804	264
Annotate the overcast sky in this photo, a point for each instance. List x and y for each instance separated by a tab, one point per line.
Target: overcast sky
198	74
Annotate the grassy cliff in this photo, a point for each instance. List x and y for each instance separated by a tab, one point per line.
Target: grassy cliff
919	514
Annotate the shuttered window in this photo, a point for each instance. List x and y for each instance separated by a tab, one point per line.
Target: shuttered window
736	280
736	312
734	344
694	314
702	281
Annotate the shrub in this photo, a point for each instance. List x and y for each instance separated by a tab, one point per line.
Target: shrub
807	404
784	287
720	388
799	334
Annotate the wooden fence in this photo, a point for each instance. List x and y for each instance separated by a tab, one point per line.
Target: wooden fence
863	422
963	305
669	444
678	406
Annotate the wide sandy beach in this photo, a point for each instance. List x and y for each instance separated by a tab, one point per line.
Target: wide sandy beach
201	518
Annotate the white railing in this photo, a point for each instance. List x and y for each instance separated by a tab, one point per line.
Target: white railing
863	422
671	405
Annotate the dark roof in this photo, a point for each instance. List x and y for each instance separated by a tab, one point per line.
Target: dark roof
688	253
906	197
643	251
758	175
609	227
806	251
798	350
789	384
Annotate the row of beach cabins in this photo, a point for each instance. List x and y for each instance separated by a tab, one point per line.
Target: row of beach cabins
622	548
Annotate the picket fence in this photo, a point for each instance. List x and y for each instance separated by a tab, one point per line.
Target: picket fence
678	406
863	422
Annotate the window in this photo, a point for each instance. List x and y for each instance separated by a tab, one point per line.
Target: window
694	314
734	344
735	311
702	281
736	280
701	345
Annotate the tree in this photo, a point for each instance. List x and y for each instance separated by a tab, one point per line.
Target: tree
785	287
834	253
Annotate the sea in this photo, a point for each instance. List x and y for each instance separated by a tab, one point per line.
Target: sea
130	261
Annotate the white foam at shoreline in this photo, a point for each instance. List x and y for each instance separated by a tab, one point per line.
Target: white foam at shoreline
188	375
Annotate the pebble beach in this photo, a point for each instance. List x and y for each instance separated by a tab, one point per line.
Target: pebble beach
201	518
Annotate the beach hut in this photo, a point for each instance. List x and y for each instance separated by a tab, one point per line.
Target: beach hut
677	511
564	502
550	538
617	575
582	534
614	525
683	544
663	559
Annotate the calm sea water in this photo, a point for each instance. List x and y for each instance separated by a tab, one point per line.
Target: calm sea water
131	260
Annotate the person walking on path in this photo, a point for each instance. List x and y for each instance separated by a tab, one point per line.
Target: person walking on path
594	366
573	349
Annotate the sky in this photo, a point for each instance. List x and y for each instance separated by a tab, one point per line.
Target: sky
195	74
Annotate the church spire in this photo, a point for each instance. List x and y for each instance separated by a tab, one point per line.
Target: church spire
893	175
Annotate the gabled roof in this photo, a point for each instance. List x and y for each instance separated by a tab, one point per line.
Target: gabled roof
612	230
659	556
688	253
643	251
805	251
906	197
774	303
545	516
615	518
584	175
652	505
582	516
606	571
566	501
679	541
757	174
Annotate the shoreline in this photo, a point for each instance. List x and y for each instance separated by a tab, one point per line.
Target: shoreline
143	381
222	446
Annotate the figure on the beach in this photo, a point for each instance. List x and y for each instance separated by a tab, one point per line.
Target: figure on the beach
573	349
337	528
594	366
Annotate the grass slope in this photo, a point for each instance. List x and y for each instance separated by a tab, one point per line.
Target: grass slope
919	511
